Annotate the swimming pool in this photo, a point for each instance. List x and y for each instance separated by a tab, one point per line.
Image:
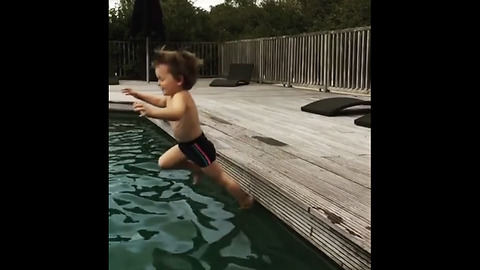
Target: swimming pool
159	220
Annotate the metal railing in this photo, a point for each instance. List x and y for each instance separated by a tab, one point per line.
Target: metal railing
330	60
123	57
127	58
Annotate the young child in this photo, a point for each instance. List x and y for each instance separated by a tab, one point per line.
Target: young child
177	72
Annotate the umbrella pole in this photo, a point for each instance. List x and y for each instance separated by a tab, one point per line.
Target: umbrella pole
147	65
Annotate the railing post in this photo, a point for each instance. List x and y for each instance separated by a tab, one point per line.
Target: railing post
220	58
290	61
327	62
260	68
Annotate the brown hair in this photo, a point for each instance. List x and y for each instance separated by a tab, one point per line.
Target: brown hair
181	64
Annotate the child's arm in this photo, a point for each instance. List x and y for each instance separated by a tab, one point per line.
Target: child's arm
159	101
173	112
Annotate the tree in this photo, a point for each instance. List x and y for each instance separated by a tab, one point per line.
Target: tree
119	20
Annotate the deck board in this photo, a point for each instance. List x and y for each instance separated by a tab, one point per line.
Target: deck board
311	171
347	167
305	184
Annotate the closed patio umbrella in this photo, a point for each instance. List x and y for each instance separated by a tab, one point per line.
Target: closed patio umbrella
147	22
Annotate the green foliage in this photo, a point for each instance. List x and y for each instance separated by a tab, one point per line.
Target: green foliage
351	13
119	20
233	20
243	19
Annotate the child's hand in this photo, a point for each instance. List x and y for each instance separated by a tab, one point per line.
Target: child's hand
129	91
142	108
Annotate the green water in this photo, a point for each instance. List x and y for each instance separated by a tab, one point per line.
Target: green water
158	220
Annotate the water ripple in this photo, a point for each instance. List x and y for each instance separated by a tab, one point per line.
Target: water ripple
151	209
158	220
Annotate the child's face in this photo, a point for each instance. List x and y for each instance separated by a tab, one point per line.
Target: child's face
167	83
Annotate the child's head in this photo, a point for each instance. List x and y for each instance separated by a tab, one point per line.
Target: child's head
176	70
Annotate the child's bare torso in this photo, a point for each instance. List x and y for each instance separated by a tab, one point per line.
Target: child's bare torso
188	127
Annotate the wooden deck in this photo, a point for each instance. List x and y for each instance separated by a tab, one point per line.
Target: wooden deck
311	171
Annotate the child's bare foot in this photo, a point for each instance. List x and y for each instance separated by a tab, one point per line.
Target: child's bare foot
247	203
196	178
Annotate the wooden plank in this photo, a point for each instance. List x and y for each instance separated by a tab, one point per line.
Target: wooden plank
345	221
330	144
286	152
119	107
320	234
309	174
316	133
232	131
310	179
351	167
323	182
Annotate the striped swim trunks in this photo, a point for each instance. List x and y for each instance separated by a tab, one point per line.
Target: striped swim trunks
200	151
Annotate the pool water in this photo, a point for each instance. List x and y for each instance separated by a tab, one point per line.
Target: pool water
159	220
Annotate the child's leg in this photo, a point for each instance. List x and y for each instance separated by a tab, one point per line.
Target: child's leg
173	158
195	169
216	172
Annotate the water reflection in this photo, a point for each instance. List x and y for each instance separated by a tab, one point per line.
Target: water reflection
158	220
